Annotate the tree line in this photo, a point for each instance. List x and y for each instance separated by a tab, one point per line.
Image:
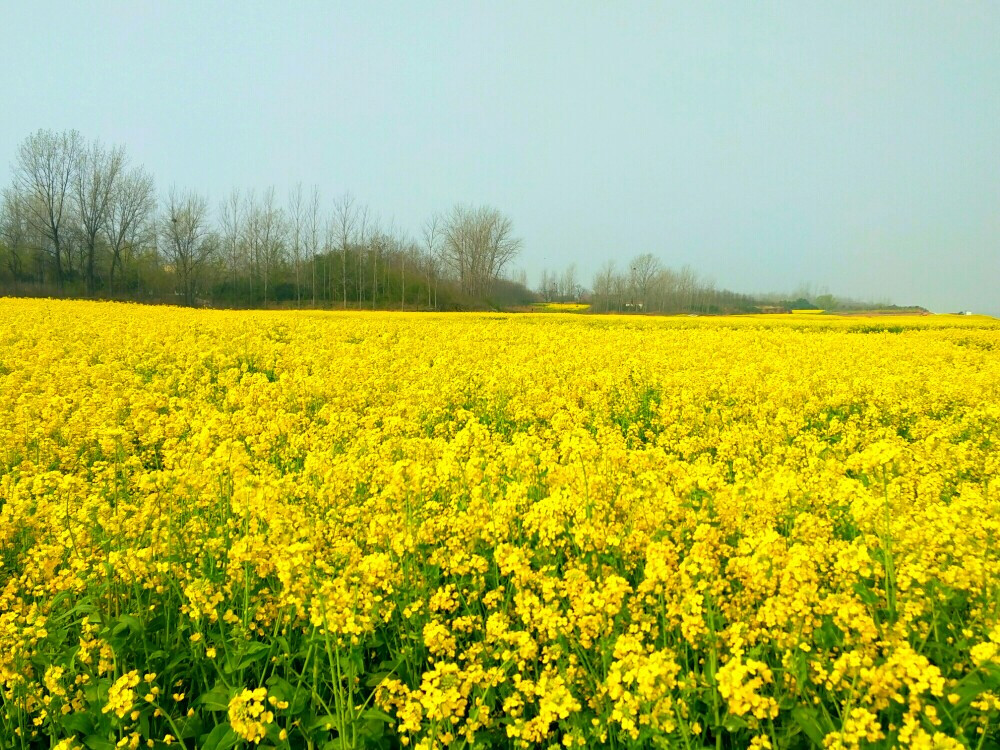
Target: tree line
644	285
80	219
647	285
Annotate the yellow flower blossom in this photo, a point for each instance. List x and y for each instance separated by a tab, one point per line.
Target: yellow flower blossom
121	695
249	715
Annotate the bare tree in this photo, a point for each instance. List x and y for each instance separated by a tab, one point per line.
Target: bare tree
94	185
433	234
231	217
642	271
133	201
264	230
312	234
375	246
604	285
251	238
568	287
186	239
478	244
44	168
345	220
272	236
551	285
688	283
297	221
14	231
367	229
395	248
545	285
329	246
409	253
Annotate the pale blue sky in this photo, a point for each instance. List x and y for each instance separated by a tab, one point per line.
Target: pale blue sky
854	146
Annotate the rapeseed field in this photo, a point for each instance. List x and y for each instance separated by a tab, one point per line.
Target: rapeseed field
332	530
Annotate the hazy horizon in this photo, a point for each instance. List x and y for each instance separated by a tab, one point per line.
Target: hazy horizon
850	148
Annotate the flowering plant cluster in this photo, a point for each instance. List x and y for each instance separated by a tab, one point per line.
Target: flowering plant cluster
312	529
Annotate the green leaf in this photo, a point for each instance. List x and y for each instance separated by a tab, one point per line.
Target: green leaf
329	723
257	647
865	594
79	722
84	606
280	688
156	624
298	698
351	664
182	657
372	730
96	742
132	623
828	635
273	733
190	727
734	723
97	691
808	721
373	680
254	653
970	688
992	680
221	738
373	714
216	699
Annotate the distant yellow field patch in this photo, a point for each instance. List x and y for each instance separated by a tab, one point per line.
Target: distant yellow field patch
562	306
808	312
